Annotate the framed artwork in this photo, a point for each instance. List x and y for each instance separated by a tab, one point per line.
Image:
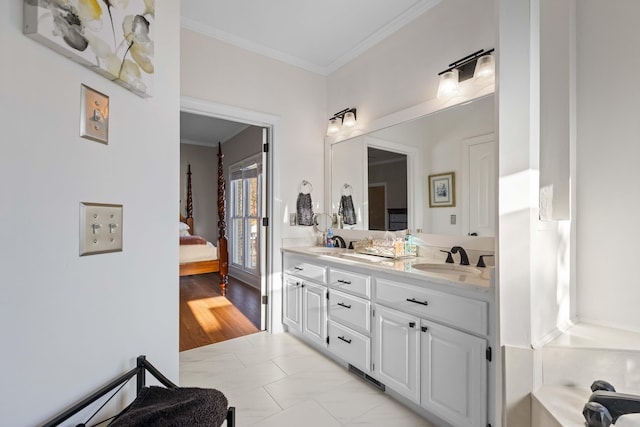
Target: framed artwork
442	190
112	38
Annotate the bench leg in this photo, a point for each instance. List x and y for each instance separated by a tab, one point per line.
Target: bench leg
231	416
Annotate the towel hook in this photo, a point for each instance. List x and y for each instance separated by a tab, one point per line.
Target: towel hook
347	190
304	184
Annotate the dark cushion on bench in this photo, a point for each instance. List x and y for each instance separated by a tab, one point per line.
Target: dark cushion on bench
173	407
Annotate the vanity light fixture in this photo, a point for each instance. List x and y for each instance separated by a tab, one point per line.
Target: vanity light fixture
479	65
344	119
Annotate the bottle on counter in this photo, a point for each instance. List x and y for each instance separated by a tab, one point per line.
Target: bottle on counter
330	238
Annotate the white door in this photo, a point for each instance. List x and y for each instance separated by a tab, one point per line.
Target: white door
453	375
314	312
482	186
396	348
292	303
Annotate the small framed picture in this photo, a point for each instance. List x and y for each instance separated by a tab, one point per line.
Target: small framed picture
442	190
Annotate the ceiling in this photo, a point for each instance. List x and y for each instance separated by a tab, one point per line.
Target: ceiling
318	36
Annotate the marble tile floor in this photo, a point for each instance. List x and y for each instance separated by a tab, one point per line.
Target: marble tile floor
276	380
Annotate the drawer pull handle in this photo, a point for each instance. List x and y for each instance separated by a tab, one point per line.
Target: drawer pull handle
424	329
298	268
412	324
344	305
345	282
415	301
345	340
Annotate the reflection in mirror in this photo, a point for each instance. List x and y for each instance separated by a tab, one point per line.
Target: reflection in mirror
457	139
387	188
322	221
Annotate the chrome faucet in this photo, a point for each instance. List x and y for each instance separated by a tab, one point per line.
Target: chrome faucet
339	241
464	259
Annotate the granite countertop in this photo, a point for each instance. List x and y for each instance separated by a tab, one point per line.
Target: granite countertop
416	267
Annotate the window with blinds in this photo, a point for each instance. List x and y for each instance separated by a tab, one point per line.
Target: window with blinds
244	218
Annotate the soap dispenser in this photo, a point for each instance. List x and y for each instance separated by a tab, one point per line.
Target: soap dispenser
330	238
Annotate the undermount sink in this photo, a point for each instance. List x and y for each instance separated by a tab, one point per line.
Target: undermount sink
323	250
447	268
360	257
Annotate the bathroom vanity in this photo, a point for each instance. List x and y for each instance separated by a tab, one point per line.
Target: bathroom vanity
421	330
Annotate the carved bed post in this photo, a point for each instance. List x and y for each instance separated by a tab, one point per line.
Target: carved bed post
189	206
223	255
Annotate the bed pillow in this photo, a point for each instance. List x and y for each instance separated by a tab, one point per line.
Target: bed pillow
184	229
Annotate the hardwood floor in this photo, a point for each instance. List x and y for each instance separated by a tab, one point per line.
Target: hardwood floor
207	317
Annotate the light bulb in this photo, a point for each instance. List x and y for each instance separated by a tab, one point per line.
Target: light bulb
448	84
485	67
334	127
349	120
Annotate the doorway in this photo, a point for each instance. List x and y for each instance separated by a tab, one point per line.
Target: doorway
254	160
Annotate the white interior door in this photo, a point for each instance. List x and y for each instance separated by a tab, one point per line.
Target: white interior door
482	187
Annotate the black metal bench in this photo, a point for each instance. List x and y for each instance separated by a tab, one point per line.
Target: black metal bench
142	366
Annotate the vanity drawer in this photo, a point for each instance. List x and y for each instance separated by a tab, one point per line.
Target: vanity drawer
350	346
355	283
350	310
299	268
461	312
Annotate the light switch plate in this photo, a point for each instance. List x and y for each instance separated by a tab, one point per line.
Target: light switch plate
94	115
100	228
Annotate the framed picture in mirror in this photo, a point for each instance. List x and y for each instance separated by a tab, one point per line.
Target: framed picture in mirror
442	190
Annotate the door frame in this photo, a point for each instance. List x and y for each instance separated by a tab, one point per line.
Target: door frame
272	123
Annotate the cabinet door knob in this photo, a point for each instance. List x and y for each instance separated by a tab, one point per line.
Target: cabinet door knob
424	329
412	324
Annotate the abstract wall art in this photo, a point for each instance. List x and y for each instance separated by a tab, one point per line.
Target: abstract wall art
112	37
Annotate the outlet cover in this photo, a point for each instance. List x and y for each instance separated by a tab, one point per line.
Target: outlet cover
100	228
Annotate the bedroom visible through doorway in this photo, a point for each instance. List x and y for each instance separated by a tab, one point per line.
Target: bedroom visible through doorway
206	316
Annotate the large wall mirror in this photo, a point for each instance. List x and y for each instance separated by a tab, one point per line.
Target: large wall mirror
380	180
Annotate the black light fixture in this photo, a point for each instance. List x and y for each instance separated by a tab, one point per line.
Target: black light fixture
479	65
341	120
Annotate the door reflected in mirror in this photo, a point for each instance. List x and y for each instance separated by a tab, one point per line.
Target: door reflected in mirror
387	188
386	172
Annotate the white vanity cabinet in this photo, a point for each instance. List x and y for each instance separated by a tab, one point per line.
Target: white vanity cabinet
397	351
413	344
350	317
453	375
305	299
424	339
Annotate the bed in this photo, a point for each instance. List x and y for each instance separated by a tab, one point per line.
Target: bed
197	255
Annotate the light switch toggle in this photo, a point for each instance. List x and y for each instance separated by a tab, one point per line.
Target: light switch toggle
93	218
97	119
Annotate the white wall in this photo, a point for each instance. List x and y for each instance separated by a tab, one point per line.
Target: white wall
608	289
218	73
204	188
402	70
69	324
